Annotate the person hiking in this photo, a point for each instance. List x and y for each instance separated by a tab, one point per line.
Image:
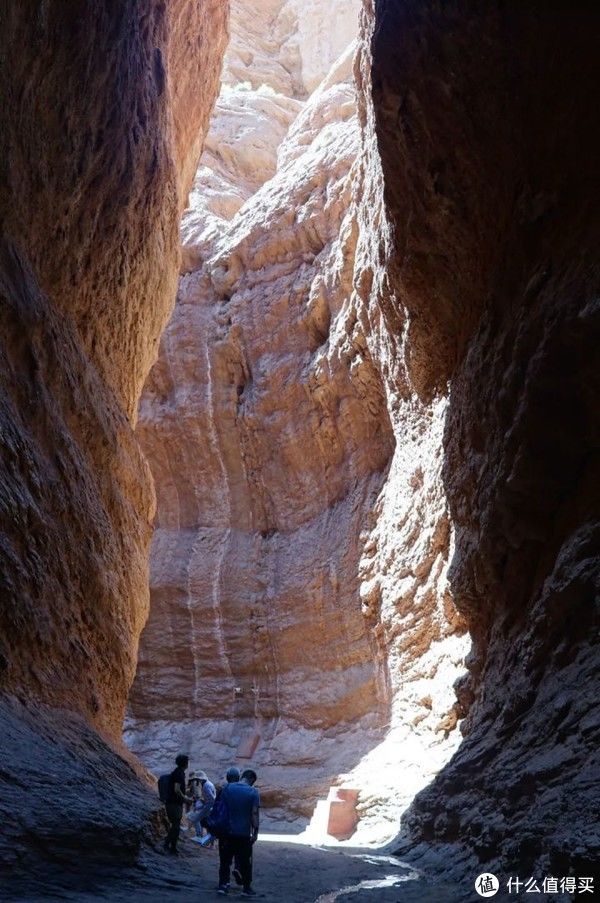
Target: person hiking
176	797
215	827
243	804
204	794
195	792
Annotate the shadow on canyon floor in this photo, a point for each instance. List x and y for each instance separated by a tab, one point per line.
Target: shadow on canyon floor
283	871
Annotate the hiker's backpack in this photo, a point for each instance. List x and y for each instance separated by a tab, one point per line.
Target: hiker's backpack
218	819
163	787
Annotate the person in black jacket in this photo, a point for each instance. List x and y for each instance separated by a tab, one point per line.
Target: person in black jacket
176	798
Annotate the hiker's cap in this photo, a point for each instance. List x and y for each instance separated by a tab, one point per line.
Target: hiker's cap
233	774
200	776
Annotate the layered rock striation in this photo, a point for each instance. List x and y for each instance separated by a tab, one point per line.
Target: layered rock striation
373	424
267	461
103	114
300	611
400	342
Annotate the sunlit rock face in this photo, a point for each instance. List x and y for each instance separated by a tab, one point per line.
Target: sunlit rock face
300	614
280	50
373	423
485	129
103	114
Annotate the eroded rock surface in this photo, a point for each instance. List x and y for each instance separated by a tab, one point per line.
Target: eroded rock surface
373	423
299	597
401	339
484	128
103	112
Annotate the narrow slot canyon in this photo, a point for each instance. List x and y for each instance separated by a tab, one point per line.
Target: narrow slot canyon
300	431
282	482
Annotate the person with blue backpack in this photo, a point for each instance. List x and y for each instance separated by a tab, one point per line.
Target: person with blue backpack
239	804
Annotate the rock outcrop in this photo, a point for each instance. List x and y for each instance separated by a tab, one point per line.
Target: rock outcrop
267	462
103	114
373	424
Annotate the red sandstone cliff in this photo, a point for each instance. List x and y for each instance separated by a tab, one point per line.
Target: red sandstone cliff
300	614
435	301
103	112
411	358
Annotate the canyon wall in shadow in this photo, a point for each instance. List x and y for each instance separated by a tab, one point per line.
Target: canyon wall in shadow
486	125
104	107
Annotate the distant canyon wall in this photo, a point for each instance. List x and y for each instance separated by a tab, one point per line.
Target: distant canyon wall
300	614
373	434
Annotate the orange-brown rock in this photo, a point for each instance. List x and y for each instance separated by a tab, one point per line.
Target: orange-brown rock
268	457
373	424
299	604
104	108
419	321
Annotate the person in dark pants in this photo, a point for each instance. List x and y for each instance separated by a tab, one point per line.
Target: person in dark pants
174	805
243	804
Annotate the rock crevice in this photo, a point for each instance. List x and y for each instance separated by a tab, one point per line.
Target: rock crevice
372	424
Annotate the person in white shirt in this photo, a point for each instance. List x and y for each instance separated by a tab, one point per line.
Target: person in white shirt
204	794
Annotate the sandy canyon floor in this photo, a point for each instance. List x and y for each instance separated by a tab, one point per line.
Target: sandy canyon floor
284	871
